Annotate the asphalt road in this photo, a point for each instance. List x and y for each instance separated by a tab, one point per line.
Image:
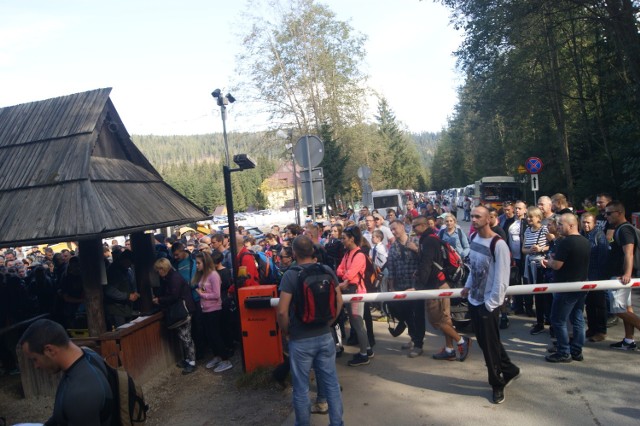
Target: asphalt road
396	390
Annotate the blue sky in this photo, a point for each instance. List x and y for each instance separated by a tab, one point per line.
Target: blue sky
163	58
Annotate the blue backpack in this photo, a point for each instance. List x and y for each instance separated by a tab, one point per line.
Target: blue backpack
266	266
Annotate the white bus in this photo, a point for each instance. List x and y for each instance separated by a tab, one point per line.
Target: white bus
390	199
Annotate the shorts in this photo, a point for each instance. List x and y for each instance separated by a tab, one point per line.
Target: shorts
620	300
439	310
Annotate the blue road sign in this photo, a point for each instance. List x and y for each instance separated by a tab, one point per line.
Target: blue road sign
533	165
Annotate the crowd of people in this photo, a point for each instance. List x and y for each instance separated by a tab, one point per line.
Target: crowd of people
548	242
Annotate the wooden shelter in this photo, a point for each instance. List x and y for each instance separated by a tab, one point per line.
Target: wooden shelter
70	172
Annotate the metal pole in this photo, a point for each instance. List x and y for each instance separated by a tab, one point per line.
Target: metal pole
223	113
296	200
313	199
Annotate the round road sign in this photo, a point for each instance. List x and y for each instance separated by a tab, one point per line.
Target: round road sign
533	165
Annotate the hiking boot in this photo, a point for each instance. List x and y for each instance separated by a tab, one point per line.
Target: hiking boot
223	366
415	352
597	337
215	361
498	395
504	322
558	357
189	369
444	355
536	329
408	345
463	349
622	345
320	408
357	360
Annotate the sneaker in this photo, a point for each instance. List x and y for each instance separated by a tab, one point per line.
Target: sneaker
612	321
537	329
498	395
507	382
444	355
223	366
408	345
358	360
320	408
215	361
597	337
189	369
558	357
370	353
415	352
504	322
622	345
463	349
577	356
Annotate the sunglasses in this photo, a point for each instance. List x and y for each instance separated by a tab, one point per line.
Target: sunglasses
611	212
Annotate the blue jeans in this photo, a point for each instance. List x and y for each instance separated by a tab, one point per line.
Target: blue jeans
568	307
320	353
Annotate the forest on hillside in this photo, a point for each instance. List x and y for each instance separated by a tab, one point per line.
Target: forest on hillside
192	164
555	79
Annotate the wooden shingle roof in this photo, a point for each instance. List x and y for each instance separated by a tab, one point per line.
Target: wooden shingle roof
69	170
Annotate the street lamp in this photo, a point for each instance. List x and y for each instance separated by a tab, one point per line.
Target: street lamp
296	203
222	102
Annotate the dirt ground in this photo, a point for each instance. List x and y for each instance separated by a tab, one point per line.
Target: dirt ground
201	398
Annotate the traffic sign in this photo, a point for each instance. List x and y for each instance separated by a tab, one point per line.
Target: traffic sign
533	165
535	182
521	169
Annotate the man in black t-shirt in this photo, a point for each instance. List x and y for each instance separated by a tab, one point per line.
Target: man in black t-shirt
84	395
571	263
621	267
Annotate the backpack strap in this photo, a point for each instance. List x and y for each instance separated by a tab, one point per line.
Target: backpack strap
492	245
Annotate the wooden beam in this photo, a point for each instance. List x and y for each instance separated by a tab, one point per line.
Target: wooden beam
144	256
92	265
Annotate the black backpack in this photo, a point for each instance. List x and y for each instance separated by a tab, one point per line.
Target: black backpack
315	300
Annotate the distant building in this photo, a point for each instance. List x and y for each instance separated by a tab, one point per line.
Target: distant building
278	188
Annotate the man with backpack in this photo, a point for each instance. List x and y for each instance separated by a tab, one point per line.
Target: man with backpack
84	396
485	290
624	260
430	277
309	303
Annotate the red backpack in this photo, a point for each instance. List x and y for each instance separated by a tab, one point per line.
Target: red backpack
452	264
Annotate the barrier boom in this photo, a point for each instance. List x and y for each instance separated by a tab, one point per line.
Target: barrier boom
396	296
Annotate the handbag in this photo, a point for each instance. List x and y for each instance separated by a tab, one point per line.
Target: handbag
177	314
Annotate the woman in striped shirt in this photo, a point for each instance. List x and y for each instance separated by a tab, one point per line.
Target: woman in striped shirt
535	248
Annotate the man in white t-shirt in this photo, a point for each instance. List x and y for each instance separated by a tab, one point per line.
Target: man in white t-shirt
485	289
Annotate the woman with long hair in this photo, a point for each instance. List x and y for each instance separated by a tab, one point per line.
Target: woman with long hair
209	287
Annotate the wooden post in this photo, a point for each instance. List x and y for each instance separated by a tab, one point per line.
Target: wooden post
144	256
92	264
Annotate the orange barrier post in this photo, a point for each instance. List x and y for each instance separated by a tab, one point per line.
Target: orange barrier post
261	337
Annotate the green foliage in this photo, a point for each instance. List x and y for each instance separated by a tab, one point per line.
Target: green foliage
304	65
333	163
552	79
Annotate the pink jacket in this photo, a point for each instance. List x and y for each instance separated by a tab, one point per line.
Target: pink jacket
210	297
352	269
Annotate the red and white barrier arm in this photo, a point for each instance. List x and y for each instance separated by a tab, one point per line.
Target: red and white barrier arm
513	290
